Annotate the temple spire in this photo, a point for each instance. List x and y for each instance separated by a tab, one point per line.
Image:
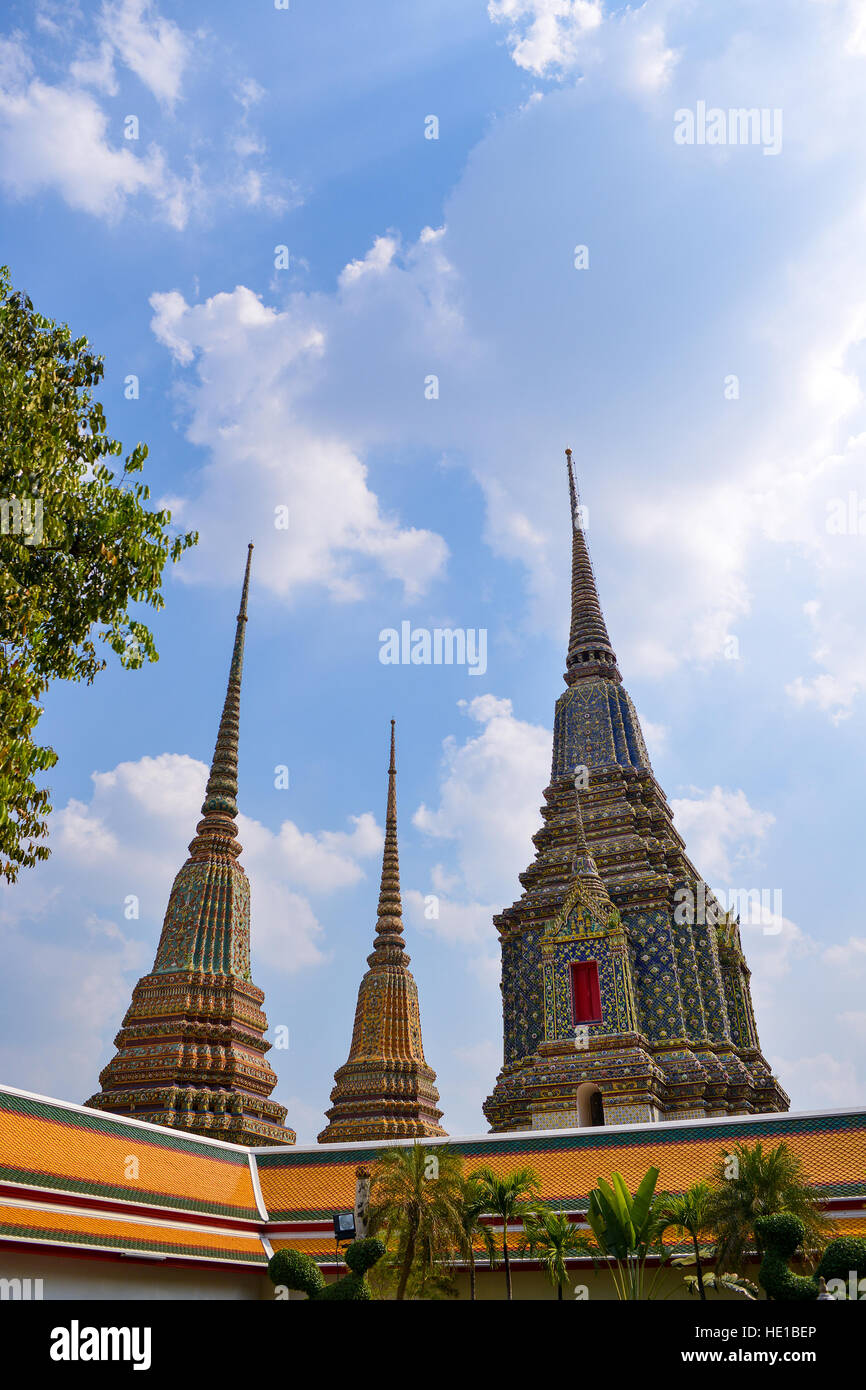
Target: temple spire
389	924
590	652
385	1090
216	832
191	1052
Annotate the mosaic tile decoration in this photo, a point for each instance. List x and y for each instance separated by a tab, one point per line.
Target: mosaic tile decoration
385	1089
677	1037
191	1051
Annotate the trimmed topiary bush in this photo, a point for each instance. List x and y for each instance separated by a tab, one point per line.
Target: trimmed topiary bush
292	1269
780	1236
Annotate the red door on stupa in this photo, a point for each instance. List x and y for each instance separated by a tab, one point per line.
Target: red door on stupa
585	992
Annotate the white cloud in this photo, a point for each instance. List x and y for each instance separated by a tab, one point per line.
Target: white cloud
556	37
152	807
320	863
489	790
545	34
822	1082
855	42
772	944
489	797
95	68
54	138
378	259
855	1019
850	957
153	47
55	135
722	831
270	448
458	923
794	338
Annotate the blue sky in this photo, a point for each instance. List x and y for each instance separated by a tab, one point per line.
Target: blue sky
733	599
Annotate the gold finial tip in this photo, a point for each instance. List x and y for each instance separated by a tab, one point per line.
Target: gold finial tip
250	546
568	452
393	722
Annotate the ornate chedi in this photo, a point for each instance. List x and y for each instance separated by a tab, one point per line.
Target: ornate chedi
386	1090
621	1003
191	1052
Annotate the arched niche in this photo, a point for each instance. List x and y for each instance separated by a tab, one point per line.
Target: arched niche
590	1106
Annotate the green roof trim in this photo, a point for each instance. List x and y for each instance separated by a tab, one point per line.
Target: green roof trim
99	1124
31	1177
123	1243
757	1126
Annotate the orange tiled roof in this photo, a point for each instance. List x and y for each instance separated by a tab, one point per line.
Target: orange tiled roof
45	1144
58	1225
298	1184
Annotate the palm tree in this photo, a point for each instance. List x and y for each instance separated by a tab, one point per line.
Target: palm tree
415	1204
750	1181
471	1210
552	1238
624	1228
511	1199
688	1213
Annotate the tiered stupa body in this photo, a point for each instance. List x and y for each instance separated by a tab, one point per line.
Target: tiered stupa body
191	1052
619	1005
386	1090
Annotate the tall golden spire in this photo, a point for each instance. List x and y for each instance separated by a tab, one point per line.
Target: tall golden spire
388	943
222	787
385	1090
590	652
191	1052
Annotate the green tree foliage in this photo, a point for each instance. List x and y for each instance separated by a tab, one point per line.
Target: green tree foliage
550	1238
625	1229
512	1198
416	1207
688	1215
78	547
475	1231
749	1182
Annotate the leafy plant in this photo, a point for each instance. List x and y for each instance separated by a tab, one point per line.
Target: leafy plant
78	547
552	1239
472	1200
781	1235
722	1283
624	1228
416	1206
749	1182
687	1213
512	1199
292	1269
